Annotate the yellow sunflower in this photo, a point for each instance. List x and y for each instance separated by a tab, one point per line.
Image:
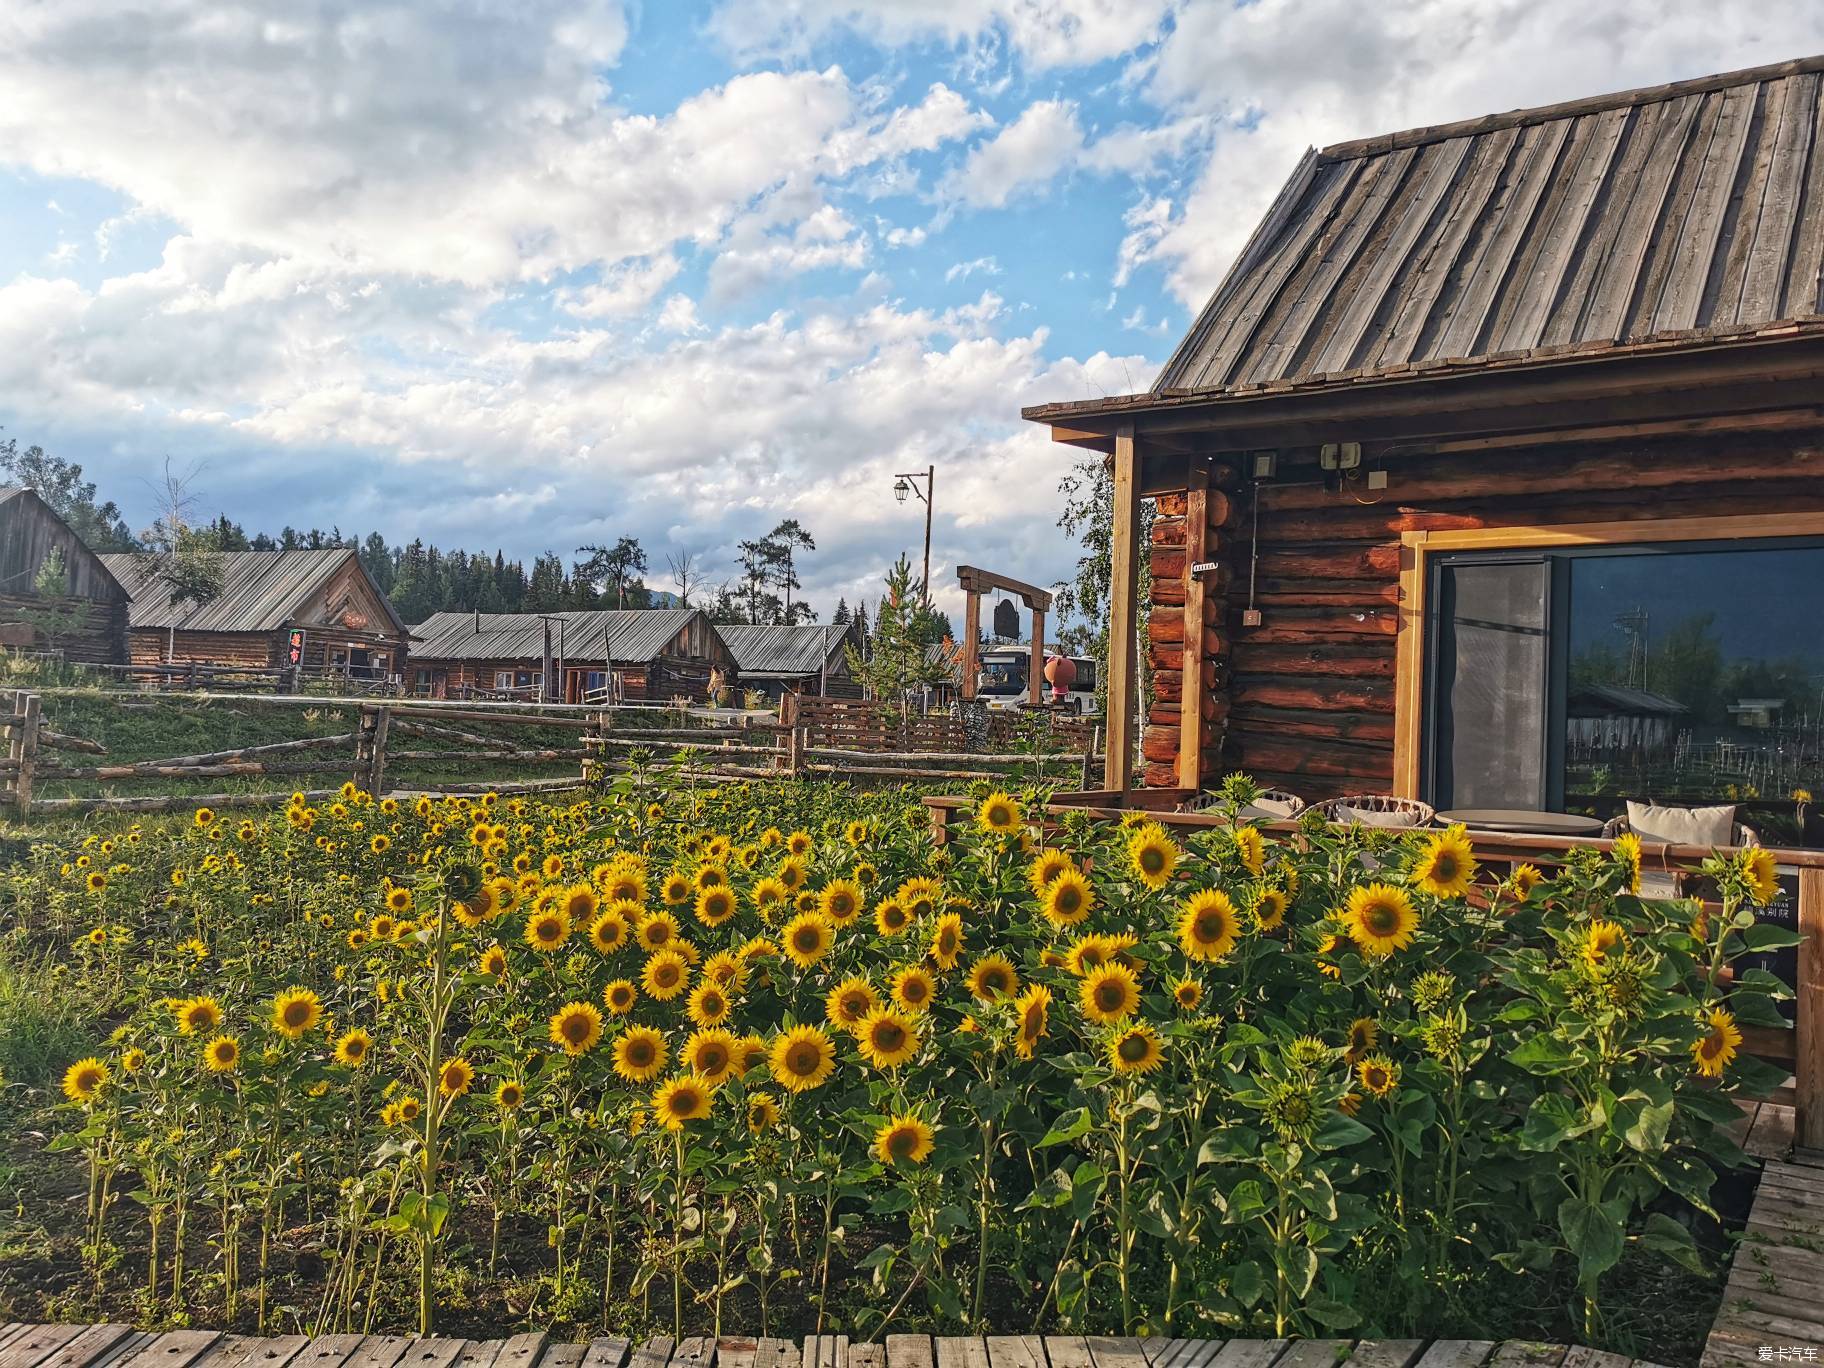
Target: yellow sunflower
806	938
295	1011
887	1038
1207	925
399	901
354	1047
639	1054
493	961
920	896
791	874
1045	867
997	814
675	889
1601	943
619	995
1250	849
1380	919
890	919
708	1004
1718	1044
509	1095
1109	993
803	1058
914	987
1760	873
1524	879
1379	1074
1034	1013
849	1002
1152	855
1270	908
715	904
547	930
84	1080
904	1139
656	930
197	1015
665	975
455	1078
762	1113
1067	899
711	1055
222	1054
1188	994
680	1100
1627	850
1364	1034
1135	1050
947	940
608	932
1447	863
576	1027
840	901
992	977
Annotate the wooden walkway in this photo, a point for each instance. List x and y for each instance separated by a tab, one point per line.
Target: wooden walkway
1775	1297
119	1346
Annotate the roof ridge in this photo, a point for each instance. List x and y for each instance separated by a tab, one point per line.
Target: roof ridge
1565	109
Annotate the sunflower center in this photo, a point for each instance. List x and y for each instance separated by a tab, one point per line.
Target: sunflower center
994	980
1210	927
1382	919
902	1142
1444	867
712	1059
1152	860
1134	1049
888	1035
1069	900
1110	995
684	1103
804	1060
666	975
639	1053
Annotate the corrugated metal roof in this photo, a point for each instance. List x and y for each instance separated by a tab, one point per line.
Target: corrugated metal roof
7	492
261	590
1623	698
1680	211
631	634
802	649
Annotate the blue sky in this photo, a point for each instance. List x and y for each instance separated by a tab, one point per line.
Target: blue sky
542	274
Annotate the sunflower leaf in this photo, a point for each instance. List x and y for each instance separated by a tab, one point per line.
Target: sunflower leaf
1592	1234
1071	1126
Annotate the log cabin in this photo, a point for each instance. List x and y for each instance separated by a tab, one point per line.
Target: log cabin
87	623
607	655
805	658
1485	414
349	629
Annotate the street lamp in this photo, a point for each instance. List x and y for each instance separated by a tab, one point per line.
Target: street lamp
908	484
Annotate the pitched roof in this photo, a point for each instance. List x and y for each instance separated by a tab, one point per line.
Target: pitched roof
1685	213
261	590
801	649
630	634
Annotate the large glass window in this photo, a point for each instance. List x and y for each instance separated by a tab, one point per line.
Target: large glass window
1682	673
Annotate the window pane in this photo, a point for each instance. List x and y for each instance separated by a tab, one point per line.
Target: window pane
1695	675
1489	693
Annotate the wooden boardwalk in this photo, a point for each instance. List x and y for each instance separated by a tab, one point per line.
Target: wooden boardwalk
120	1346
1775	1297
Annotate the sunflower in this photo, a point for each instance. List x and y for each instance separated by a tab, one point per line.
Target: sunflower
576	1027
711	1055
1207	925
547	930
197	1015
1760	873
1250	849
1152	855
1626	848
762	1113
1601	943
493	961
1135	1050
806	938
708	1004
1270	908
1379	1074
657	930
1446	864
1524	879
553	867
455	1077
750	1053
726	969
509	1095
406	1109
856	833
947	940
803	1058
768	894
914	987
890	919
715	904
608	932
791	874
639	1054
840	901
354	1047
798	843
679	1100
992	977
1109	993
665	975
624	883
133	1060
850	1001
222	1054
904	1139
997	814
295	1011
84	1080
887	1038
1045	867
920	896
1067	899
1718	1044
619	995
1380	919
1034	1011
1188	994
578	903
675	889
399	901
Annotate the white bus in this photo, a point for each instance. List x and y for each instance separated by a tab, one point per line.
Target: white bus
1002	682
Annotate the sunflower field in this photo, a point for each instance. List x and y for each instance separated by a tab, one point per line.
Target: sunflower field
763	1057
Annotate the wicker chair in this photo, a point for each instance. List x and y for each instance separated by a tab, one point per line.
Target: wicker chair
1417	814
1739	836
1203	802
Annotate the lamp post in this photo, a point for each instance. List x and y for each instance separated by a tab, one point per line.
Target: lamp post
908	484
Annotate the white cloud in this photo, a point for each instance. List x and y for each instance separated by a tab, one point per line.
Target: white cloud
962	270
1048	140
623	290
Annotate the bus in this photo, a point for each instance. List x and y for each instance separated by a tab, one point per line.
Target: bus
1002	681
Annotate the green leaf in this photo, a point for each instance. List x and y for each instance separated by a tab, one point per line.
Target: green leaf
1543	1053
1245	1202
1071	1126
1339	1131
1756	1009
1592	1235
1299	1264
1643	1123
424	1216
1332	1315
1766	936
1666	1236
1761	981
1247	1284
1549	1122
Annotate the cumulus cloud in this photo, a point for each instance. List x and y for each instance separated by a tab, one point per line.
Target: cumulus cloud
1048	140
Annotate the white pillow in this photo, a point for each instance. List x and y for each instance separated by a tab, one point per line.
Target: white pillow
1270	809
1373	818
1705	826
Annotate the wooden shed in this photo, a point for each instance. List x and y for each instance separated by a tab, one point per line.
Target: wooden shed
348	627
575	657
88	622
805	658
1476	404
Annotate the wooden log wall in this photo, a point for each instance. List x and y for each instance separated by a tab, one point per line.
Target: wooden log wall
98	628
1310	692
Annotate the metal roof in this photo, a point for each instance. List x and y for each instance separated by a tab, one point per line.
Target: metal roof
802	649
1623	698
630	633
1682	212
7	491
261	590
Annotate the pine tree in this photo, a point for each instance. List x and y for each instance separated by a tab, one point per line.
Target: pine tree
840	617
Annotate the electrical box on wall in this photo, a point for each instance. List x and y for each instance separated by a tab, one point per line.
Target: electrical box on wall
1339	455
1250	617
1262	465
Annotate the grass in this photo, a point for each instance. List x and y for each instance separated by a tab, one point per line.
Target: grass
40	1028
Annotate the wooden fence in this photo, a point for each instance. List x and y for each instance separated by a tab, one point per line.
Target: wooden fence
1667	871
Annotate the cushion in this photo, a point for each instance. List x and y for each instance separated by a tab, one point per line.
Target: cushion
1371	817
1704	826
1270	809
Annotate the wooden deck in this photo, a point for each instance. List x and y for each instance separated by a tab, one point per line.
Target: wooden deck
119	1346
1774	1300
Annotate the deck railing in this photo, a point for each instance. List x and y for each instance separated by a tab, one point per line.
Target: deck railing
1667	871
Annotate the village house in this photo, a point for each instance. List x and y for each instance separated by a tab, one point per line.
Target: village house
805	658
605	655
317	613
87	621
1480	409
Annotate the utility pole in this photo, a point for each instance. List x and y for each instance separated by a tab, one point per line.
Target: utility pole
908	484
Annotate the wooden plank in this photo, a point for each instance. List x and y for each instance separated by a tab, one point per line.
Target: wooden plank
563	1356
654	1353
38	1342
442	1351
1694	246
253	1351
482	1353
128	1347
782	1353
178	1349
1385	1353
1247	1353
696	1351
92	1343
12	1331
907	1351
606	1351
1068	1351
1116	1351
865	1356
1191	695
1182	1353
1016	1351
1315	1353
1527	1354
1124	624
327	1351
1456	1354
1808	1063
1581	1356
1805	268
735	1351
960	1351
1763	264
381	1351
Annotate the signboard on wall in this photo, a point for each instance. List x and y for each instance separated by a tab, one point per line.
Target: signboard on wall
294	647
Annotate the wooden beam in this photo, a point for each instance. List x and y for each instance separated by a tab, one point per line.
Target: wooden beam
1808	1066
1123	619
976	580
1408	673
972	632
1196	543
1035	672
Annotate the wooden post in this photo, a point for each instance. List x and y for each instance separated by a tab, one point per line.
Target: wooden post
22	750
376	755
972	631
1035	684
1190	697
1123	622
1808	1057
